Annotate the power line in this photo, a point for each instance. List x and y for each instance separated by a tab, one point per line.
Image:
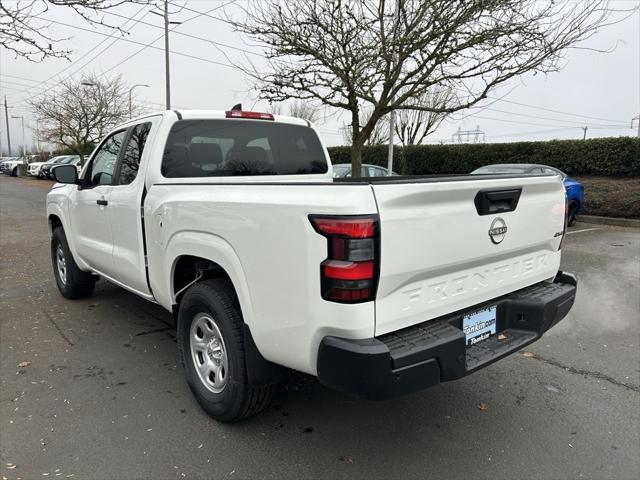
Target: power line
182	54
195	37
66	69
537	132
17	77
577	124
554	111
148	45
531	116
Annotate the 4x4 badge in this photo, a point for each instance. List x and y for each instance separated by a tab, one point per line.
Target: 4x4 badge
498	230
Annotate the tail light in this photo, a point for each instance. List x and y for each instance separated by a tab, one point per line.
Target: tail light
252	115
350	272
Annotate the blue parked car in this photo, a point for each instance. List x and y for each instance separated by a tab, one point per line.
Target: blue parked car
573	189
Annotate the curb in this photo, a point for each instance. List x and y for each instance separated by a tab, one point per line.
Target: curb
615	221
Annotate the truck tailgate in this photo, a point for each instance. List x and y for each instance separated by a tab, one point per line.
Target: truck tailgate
436	252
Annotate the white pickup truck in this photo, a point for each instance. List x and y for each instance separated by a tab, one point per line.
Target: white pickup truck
379	286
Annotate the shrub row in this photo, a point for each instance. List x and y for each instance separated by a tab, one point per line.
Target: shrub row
615	156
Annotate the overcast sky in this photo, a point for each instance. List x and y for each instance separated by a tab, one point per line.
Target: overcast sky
598	90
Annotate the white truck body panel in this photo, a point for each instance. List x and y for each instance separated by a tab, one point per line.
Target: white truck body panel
435	254
264	238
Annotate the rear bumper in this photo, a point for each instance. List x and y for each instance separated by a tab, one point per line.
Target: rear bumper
435	351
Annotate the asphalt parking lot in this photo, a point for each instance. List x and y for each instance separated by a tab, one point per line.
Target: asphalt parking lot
93	389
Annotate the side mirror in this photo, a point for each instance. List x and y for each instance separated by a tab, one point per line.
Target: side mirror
65	174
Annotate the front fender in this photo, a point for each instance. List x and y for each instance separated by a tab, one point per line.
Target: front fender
57	205
215	249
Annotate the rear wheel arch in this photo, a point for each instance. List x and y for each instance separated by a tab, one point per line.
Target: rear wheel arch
190	270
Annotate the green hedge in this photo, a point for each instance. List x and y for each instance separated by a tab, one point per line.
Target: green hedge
619	156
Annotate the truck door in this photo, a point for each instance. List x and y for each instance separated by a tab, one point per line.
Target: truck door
89	212
125	209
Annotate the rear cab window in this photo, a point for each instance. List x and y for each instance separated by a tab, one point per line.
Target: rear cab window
229	147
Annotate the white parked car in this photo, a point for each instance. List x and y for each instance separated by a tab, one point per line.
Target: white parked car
33	170
377	286
10	167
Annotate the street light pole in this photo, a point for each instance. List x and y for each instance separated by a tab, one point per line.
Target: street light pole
24	152
131	90
392	115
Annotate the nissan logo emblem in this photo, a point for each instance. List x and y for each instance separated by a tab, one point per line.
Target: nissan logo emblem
498	230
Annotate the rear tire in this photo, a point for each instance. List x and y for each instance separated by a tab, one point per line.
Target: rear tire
71	281
211	343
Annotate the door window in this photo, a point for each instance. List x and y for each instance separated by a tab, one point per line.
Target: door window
133	153
104	161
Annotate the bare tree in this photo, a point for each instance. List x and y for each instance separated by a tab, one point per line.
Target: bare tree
413	126
379	134
24	33
299	109
81	112
304	110
348	54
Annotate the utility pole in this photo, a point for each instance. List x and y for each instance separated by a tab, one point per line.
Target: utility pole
584	136
167	79
167	76
6	117
392	115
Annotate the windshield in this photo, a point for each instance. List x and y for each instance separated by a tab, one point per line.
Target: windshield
341	170
57	159
68	160
217	148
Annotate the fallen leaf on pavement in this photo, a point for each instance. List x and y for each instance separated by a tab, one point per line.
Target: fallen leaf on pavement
346	460
24	364
502	337
528	354
483	406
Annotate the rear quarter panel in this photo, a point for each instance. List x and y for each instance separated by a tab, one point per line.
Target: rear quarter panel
260	234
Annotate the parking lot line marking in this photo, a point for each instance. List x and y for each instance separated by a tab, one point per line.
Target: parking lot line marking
583	230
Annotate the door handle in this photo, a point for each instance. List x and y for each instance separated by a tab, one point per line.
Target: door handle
102	202
489	202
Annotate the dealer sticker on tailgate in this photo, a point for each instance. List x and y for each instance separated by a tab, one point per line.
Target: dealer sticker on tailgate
479	325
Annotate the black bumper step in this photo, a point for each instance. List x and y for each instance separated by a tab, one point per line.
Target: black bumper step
435	351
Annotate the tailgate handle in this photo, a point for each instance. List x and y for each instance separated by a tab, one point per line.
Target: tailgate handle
489	202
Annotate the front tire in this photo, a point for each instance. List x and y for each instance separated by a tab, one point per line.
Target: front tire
72	282
211	343
14	172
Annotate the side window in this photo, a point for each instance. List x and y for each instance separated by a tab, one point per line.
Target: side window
133	154
104	161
